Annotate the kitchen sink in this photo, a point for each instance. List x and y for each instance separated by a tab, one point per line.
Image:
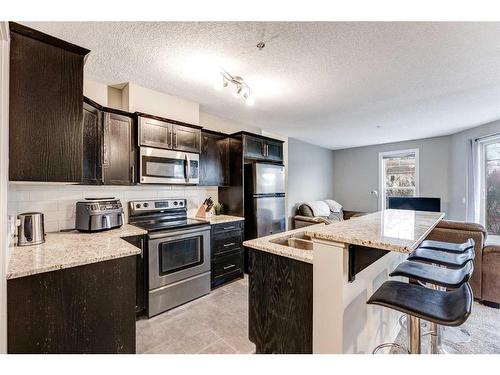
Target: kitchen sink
298	241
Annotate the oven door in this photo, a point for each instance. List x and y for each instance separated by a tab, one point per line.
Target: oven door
177	255
158	166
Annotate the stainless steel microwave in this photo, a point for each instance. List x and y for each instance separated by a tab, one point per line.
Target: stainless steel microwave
158	166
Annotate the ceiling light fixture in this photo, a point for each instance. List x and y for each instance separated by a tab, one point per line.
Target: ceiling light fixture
241	88
220	83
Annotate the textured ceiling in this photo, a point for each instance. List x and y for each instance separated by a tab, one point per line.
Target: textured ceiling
333	84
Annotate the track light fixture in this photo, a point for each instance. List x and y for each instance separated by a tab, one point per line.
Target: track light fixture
241	89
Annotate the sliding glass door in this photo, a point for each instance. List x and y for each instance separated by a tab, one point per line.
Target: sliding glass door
490	185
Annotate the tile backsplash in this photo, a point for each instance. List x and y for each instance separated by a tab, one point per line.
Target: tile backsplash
57	201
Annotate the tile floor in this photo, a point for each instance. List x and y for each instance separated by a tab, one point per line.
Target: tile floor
216	323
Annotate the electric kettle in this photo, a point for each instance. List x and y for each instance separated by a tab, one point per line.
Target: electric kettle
30	230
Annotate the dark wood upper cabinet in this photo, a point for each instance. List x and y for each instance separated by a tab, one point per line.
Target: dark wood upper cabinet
274	150
118	163
214	159
186	138
155	133
261	148
45	107
169	134
92	145
109	145
254	147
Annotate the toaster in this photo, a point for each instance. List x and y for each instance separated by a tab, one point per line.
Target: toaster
97	214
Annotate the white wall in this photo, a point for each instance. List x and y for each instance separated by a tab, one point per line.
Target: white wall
224	125
97	91
355	172
310	174
4	162
115	97
57	201
141	99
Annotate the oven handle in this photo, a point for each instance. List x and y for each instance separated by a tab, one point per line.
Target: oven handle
153	236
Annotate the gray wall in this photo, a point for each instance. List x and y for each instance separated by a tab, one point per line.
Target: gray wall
355	172
458	166
443	171
310	173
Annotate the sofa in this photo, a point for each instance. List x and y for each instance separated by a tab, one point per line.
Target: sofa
485	280
491	271
305	216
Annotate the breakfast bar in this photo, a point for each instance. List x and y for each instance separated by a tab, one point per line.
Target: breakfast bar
350	260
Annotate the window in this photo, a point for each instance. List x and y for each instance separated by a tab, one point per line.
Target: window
489	175
398	175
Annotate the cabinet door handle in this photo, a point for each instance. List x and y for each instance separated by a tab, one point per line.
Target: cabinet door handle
229	244
230	266
171	145
175	140
267	149
226	228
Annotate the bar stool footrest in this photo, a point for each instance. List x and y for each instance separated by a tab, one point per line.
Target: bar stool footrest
389	345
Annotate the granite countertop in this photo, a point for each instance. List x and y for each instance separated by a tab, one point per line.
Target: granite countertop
394	230
70	249
219	219
266	244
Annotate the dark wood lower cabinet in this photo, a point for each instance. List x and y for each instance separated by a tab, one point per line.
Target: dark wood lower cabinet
84	309
280	299
226	253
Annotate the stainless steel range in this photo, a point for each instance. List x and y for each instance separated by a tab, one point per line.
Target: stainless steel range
178	251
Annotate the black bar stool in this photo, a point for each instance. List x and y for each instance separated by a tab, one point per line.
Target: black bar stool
418	302
442	258
448	246
457	258
448	278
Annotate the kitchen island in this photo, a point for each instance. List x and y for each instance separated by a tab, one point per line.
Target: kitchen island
350	260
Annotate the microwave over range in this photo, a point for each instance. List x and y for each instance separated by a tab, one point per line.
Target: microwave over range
168	152
158	166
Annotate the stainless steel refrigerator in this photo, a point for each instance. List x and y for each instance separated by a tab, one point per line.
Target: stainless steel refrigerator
264	199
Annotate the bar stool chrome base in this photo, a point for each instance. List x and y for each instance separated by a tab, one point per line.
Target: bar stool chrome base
436	345
423	324
390	345
438	307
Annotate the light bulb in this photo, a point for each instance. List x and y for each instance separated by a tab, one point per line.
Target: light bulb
238	91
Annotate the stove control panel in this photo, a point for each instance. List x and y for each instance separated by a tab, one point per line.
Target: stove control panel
158	205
